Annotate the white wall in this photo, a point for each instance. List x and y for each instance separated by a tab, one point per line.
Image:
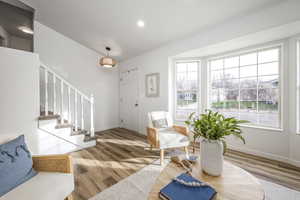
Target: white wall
19	103
79	65
281	145
19	86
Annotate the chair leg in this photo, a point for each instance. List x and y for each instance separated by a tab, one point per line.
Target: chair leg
186	151
162	155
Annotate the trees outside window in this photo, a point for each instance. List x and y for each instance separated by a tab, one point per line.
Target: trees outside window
247	86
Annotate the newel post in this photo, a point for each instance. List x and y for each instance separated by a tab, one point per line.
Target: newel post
75	112
54	94
82	114
92	116
69	105
62	102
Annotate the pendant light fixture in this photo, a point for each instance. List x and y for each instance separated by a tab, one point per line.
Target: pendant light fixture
107	61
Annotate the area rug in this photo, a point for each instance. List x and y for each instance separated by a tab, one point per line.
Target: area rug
138	186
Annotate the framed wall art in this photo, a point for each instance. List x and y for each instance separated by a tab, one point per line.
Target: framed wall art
152	85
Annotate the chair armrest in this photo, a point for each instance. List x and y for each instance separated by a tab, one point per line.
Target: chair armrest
53	163
152	136
181	129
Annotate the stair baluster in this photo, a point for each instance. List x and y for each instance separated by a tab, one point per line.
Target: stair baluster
69	106
82	113
65	117
92	117
54	95
62	102
46	93
75	112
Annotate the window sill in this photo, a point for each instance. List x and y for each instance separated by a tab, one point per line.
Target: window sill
262	128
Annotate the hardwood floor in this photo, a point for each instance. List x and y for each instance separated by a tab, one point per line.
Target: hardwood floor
120	153
269	170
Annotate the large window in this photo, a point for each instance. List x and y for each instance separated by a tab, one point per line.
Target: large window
247	86
186	89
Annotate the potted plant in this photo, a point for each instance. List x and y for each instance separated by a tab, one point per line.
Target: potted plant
213	127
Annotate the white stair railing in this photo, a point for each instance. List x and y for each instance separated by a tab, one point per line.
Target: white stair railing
58	106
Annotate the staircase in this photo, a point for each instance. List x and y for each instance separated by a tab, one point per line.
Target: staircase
65	112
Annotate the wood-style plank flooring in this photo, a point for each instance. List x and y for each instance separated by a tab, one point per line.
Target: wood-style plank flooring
117	154
266	169
120	153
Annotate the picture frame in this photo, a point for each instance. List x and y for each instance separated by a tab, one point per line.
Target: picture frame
152	83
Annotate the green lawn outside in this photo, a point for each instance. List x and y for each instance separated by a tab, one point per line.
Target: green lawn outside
181	102
262	105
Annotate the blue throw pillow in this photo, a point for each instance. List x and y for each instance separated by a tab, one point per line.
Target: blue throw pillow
15	164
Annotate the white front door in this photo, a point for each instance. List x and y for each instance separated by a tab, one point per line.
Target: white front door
129	105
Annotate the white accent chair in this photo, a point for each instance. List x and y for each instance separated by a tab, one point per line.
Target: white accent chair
55	180
163	134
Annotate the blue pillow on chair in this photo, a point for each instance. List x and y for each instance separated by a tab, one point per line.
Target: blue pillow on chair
15	164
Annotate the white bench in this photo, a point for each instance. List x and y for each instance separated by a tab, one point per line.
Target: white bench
55	180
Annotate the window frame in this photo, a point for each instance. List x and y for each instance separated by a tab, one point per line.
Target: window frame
280	46
198	61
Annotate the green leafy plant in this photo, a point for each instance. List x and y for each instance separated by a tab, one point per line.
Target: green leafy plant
214	126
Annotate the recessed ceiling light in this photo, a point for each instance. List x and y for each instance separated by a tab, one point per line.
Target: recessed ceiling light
26	30
140	23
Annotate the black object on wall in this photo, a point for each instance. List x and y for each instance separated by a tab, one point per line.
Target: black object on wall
16	25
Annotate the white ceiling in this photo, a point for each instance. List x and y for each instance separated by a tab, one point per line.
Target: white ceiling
98	23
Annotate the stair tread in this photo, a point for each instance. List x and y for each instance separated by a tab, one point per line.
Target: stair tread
79	132
44	113
81	136
58	126
88	138
48	117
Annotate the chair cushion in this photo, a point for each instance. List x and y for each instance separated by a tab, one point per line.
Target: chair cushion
169	138
160	119
160	123
45	186
15	164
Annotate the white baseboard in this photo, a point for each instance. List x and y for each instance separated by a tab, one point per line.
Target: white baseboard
266	155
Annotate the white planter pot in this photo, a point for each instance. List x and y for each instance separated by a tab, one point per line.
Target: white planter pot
211	156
